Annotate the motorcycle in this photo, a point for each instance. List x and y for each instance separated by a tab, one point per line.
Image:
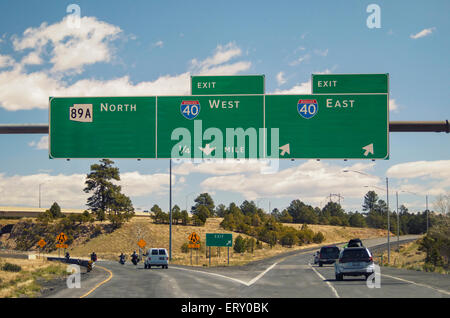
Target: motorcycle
134	258
90	266
122	260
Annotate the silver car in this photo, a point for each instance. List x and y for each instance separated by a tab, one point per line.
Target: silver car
354	261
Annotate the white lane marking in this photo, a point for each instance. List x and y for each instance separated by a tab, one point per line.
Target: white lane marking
212	274
254	280
328	283
418	284
251	282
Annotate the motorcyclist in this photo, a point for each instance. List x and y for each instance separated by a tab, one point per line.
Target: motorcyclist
67	256
134	258
93	257
122	258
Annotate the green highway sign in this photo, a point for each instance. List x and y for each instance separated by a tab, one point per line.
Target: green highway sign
102	127
226	126
219	239
344	126
350	83
224	85
336	125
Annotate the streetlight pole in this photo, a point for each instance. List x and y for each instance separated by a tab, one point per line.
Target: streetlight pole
187	196
426	198
388	215
170	209
389	223
398	224
40	184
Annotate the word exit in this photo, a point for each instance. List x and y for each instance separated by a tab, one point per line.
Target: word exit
326	83
201	85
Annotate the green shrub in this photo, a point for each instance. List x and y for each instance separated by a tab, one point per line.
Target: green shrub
8	267
318	238
239	244
185	248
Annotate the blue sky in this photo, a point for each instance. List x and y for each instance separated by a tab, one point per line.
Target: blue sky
152	47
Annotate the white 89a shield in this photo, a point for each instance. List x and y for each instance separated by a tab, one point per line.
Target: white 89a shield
307	108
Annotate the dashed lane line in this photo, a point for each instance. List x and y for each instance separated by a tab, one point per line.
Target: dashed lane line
328	283
418	284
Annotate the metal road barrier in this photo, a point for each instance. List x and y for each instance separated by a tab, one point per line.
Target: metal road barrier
394	126
75	261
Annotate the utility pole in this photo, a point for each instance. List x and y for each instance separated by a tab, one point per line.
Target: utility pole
170	209
40	195
398	224
389	222
426	197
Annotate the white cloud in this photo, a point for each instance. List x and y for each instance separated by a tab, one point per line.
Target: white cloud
221	167
32	59
42	144
41	86
327	71
321	52
6	61
422	33
159	44
393	106
136	184
280	78
214	65
425	177
67	190
311	181
71	48
301	88
96	35
300	60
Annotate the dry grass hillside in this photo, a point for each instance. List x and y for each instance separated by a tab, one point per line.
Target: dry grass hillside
109	246
341	233
27	281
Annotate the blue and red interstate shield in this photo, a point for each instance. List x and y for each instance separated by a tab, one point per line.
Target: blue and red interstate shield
307	108
190	108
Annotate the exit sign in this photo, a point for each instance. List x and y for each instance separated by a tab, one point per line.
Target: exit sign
221	85
350	83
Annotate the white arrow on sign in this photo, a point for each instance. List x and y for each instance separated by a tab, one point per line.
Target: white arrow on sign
368	149
207	150
285	149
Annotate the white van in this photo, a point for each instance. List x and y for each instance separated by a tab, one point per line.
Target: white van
156	257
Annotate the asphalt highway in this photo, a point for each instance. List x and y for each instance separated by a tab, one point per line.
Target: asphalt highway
289	276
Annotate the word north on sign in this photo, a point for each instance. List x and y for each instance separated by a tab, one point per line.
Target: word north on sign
102	127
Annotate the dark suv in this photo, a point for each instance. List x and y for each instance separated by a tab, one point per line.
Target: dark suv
355	243
328	255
